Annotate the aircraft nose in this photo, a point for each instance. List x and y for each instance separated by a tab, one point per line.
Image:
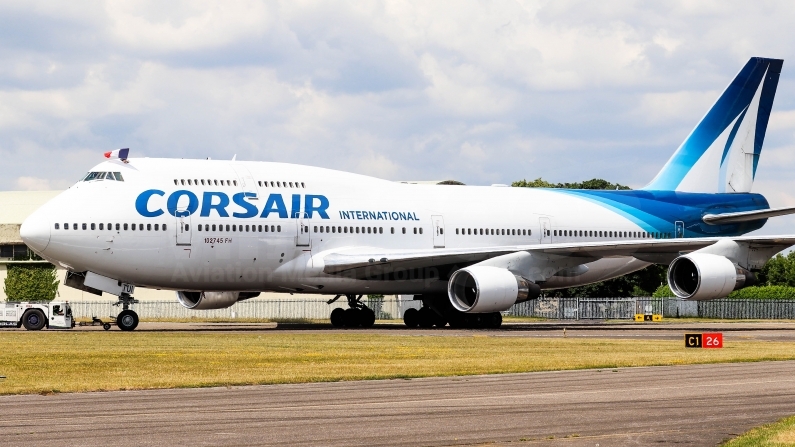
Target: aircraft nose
35	232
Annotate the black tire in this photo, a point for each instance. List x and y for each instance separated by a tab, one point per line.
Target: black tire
127	320
426	317
439	320
338	317
106	326
367	316
411	317
352	317
34	320
493	320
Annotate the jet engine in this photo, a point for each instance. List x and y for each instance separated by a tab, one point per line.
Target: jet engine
212	300
702	276
483	289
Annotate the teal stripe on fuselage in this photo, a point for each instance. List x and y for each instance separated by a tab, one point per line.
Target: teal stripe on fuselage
658	211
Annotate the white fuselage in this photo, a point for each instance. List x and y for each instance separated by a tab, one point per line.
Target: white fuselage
238	225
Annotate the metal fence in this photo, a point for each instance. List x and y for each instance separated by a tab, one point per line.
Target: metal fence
387	308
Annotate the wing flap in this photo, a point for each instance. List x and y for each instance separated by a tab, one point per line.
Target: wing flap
372	261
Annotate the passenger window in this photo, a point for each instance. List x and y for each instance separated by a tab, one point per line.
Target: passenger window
302	185
125	227
404	230
393	230
279	228
279	184
380	230
420	230
176	182
93	227
57	226
415	230
234	182
183	182
84	226
333	229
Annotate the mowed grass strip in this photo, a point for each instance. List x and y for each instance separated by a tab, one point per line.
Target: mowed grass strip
50	361
777	434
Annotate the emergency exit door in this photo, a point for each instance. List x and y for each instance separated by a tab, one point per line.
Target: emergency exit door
438	231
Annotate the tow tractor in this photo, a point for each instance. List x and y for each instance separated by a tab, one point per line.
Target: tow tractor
35	316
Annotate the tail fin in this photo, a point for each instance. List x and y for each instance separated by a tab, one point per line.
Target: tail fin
722	152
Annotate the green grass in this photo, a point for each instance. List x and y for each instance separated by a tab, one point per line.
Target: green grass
64	361
777	434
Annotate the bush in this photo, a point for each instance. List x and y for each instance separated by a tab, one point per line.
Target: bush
663	292
31	282
765	293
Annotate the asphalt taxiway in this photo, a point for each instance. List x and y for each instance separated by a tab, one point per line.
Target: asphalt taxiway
685	405
733	331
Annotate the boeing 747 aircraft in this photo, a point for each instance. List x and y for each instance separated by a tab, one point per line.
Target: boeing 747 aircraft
218	232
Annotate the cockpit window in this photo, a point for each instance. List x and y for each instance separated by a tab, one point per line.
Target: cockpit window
103	176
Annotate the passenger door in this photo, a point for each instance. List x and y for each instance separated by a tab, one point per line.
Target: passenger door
302	232
438	231
546	230
184	230
247	182
680	229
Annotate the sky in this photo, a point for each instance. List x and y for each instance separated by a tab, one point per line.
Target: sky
480	92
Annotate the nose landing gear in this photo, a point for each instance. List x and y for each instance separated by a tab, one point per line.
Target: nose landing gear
356	315
127	320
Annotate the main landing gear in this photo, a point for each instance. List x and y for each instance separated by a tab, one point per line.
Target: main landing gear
356	315
127	319
427	317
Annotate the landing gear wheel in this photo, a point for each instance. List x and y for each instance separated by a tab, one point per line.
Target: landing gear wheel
367	317
106	326
411	317
34	320
492	321
426	317
439	321
338	317
352	318
127	320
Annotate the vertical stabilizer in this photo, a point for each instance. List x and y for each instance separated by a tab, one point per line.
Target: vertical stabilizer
721	154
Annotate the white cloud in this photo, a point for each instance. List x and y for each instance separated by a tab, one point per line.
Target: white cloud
400	89
32	184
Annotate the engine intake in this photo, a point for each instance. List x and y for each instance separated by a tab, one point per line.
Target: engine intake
702	276
212	300
482	289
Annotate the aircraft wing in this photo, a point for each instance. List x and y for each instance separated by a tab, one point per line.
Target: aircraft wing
371	261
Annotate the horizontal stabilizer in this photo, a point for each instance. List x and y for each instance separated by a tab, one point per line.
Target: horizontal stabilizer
745	216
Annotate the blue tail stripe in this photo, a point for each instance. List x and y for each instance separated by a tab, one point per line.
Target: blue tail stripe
737	97
766	106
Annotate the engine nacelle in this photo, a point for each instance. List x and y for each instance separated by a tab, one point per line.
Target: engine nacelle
702	276
212	300
482	289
